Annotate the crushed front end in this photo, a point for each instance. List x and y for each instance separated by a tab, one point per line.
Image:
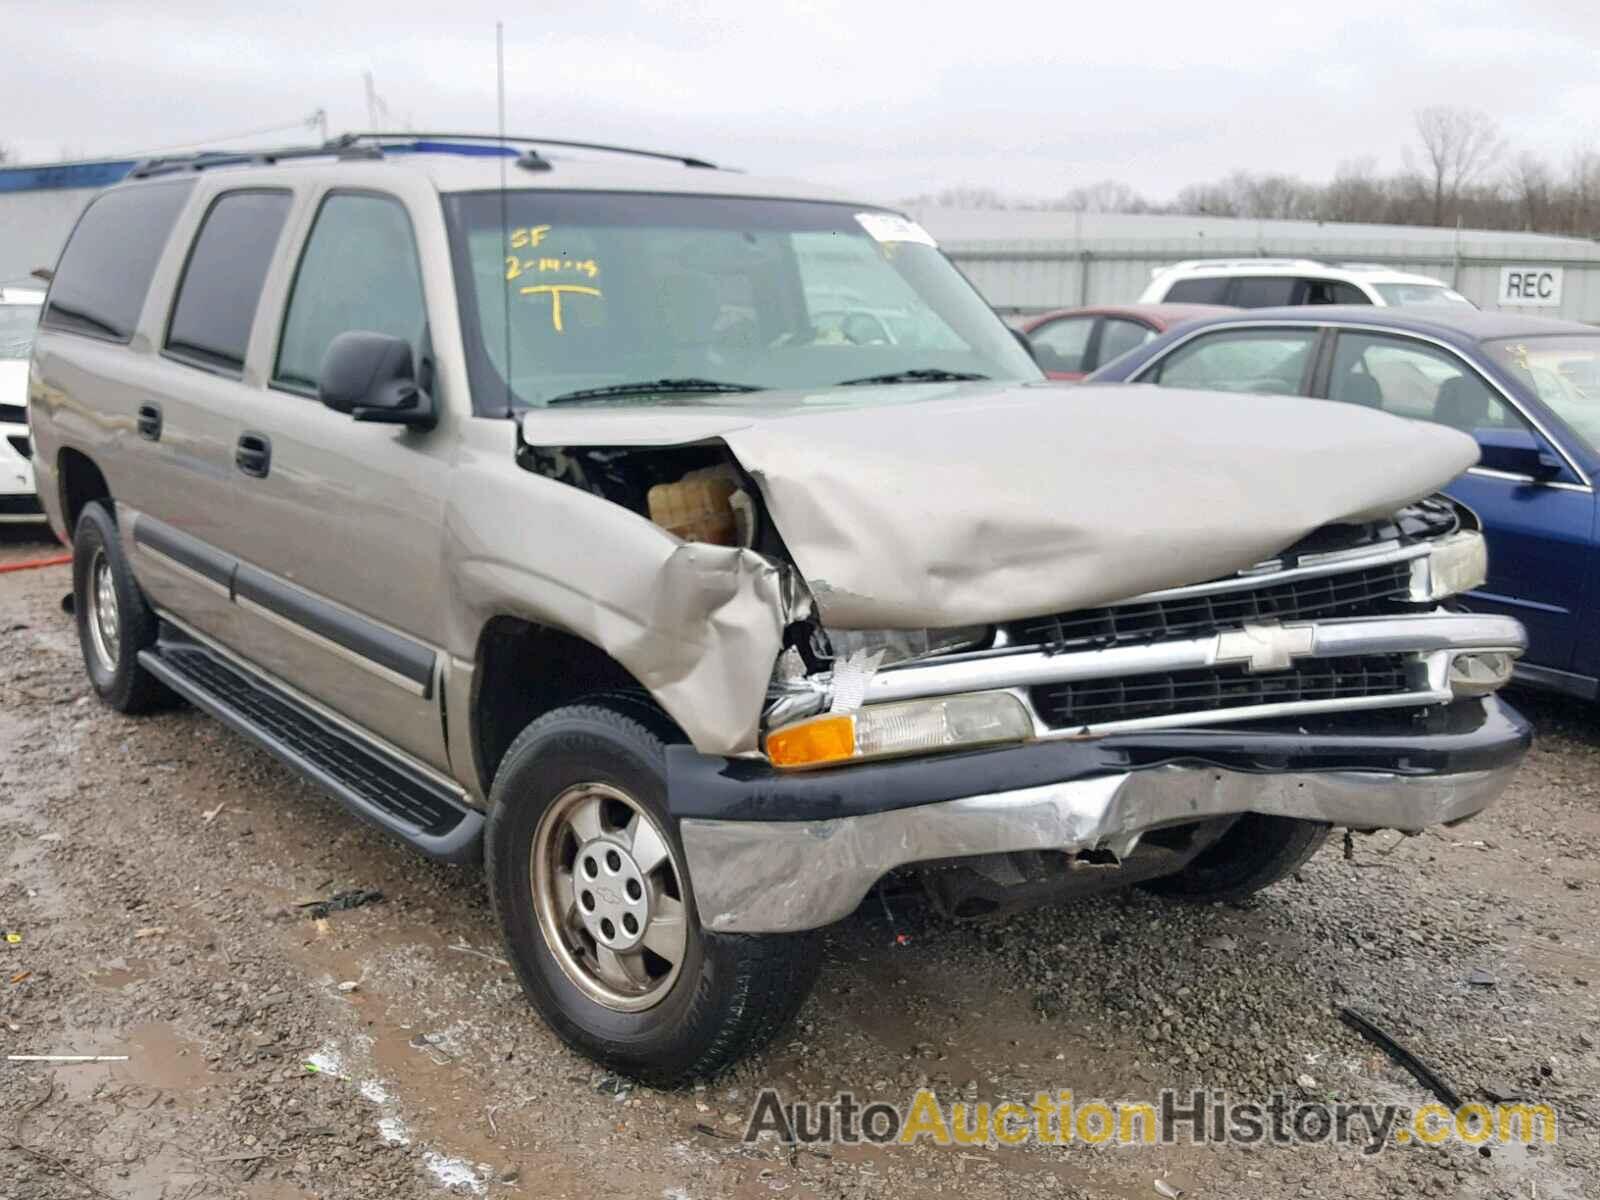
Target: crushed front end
1335	683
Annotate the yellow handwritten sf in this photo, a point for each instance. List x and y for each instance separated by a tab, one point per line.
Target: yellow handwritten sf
528	237
555	290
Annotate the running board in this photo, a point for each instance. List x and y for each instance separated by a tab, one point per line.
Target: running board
372	784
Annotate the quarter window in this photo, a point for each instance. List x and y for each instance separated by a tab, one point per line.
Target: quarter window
1413	379
221	287
1118	336
1247	360
359	272
105	270
1062	345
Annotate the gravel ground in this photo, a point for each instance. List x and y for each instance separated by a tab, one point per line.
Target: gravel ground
152	868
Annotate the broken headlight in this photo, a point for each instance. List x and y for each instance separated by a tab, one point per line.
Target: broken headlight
908	727
1457	563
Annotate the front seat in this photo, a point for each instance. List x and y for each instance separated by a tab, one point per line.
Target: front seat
1360	389
1462	404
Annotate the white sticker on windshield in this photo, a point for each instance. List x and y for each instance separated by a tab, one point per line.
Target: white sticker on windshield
891	227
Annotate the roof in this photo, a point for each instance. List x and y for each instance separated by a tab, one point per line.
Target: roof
475	163
1159	314
1206	268
1452	322
452	163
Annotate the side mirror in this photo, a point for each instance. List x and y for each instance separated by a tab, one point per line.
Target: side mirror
371	376
1516	452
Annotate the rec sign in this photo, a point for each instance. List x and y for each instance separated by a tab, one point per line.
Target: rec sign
1537	287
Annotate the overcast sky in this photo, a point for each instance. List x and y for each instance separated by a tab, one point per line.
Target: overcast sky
891	99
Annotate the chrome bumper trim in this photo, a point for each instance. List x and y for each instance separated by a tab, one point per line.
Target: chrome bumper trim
1422	633
785	876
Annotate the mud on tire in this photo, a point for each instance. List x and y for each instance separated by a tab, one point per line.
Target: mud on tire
114	619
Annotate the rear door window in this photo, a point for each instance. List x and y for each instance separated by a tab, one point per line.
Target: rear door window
1063	345
221	286
1333	291
359	271
105	270
1198	291
1264	291
1244	360
1413	379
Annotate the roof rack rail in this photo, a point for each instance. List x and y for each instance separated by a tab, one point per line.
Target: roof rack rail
686	159
346	146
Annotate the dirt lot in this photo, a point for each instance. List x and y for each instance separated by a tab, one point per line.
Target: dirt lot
152	868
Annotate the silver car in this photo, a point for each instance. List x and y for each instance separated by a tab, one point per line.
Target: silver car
516	495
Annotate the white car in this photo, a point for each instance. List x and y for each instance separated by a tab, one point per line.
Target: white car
19	317
1274	282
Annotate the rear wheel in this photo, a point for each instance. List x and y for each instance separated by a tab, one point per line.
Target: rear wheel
114	620
1255	853
587	877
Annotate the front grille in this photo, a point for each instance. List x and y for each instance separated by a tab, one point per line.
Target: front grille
1131	697
21	445
13	414
1368	591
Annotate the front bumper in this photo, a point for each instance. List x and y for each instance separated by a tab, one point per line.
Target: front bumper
771	853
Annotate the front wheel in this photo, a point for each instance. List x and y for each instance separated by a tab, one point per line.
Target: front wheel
1256	852
587	877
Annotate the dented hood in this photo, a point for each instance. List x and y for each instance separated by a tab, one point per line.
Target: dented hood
933	505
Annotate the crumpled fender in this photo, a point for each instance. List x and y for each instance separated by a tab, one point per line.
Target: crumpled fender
698	625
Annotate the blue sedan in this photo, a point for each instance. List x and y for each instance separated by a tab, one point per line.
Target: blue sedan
1527	388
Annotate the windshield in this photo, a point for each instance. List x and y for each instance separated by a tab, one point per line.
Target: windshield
1562	371
17	323
1401	295
608	290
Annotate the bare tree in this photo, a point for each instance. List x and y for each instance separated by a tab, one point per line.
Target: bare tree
5	153
1531	183
1457	145
1106	196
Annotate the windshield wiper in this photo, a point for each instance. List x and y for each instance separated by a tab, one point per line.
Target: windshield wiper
651	388
920	375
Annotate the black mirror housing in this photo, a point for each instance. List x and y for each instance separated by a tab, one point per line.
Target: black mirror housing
372	377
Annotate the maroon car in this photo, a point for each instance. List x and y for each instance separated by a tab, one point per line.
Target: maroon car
1071	342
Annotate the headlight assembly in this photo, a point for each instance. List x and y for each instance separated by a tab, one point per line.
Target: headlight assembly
909	727
1457	563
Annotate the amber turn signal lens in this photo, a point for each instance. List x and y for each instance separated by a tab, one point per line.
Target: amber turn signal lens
810	743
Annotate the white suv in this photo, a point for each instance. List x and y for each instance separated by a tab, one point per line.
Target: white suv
1273	282
19	315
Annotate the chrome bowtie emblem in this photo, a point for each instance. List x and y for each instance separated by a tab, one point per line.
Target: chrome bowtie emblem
1265	647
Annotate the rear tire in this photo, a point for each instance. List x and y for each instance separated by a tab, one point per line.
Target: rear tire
586	874
114	619
1255	853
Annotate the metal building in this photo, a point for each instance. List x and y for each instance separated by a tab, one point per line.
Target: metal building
40	204
1027	262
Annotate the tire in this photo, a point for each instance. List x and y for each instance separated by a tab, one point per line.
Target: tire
1255	853
673	1022
114	619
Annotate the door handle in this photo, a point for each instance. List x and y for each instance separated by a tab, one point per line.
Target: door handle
253	455
150	422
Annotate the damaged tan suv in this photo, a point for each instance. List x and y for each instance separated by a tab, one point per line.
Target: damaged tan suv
702	551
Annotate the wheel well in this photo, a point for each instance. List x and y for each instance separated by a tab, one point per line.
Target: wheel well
81	482
524	671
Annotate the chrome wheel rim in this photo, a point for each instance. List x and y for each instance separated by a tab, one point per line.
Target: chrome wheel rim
608	893
103	619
